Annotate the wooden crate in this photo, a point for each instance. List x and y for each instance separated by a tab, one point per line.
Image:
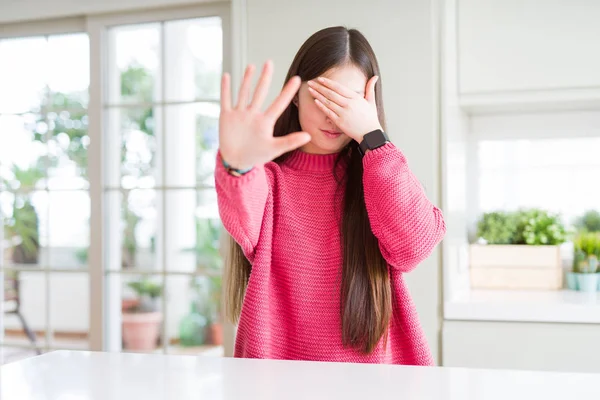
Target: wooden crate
515	267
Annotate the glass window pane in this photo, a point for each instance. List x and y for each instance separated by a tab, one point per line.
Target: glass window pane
194	323
24	68
70	310
68	229
554	174
68	143
193	140
194	59
133	150
131	233
134	69
23	151
25	222
142	313
69	71
25	296
192	231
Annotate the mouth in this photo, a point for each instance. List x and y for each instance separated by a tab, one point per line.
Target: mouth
331	134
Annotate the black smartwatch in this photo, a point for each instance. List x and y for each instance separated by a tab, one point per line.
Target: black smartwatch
373	140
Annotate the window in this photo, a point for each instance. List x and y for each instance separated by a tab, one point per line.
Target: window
161	109
108	140
44	192
544	161
557	174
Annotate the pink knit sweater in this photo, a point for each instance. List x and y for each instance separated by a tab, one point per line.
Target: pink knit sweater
286	219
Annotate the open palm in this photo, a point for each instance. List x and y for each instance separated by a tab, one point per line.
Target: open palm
245	132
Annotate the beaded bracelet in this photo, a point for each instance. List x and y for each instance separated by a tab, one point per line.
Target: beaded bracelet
235	171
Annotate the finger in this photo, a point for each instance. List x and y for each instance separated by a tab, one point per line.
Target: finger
328	94
284	98
370	89
226	92
263	86
244	93
333	116
289	142
328	103
337	87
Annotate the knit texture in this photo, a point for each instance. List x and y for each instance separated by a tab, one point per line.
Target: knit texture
286	219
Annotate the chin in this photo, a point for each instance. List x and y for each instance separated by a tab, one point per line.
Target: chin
328	148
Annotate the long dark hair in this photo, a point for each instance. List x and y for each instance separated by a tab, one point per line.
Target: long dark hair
366	304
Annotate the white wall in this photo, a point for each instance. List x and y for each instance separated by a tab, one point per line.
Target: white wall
516	45
403	35
24	10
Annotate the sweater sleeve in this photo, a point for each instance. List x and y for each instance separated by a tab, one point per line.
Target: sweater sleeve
407	225
242	201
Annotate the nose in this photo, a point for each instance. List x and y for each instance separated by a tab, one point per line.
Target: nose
332	124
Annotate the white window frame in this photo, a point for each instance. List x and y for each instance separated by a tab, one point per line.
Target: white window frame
97	27
233	15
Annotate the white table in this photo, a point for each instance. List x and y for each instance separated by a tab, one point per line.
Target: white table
71	375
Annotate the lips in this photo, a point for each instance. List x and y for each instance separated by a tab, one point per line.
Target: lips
331	134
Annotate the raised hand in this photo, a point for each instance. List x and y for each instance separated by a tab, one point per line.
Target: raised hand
245	132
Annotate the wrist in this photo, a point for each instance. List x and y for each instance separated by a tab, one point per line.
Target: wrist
233	162
372	140
233	169
374	127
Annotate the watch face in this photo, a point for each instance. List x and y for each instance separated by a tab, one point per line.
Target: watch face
375	139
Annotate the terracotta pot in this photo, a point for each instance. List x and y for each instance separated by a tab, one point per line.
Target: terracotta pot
141	330
215	333
126	304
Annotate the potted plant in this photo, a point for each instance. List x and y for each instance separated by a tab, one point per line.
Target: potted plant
192	328
142	320
207	288
585	275
518	250
589	222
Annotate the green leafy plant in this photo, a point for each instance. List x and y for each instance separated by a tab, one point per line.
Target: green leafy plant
23	228
539	227
525	226
148	293
589	222
586	246
82	255
208	232
497	227
208	259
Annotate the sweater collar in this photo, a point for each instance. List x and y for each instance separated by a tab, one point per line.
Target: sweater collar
300	160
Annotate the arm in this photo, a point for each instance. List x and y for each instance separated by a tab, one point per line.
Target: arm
242	202
407	225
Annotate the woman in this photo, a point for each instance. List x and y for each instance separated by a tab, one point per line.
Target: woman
325	213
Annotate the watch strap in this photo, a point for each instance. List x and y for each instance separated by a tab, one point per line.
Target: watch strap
373	140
